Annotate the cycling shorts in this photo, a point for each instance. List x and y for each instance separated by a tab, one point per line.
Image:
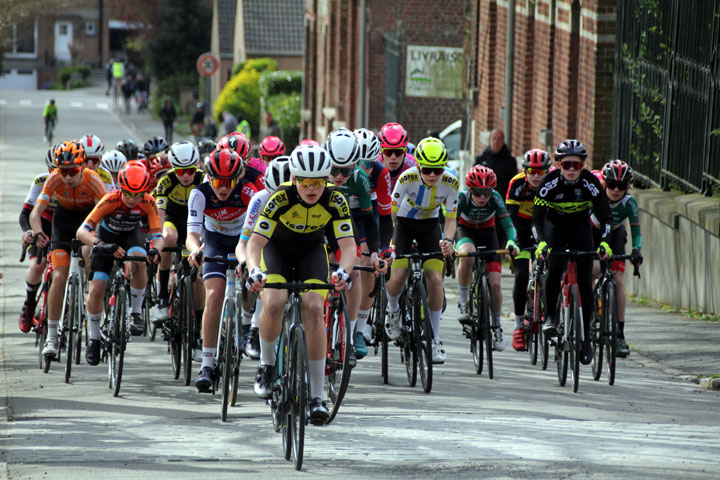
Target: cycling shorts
218	245
32	250
179	225
332	244
426	232
481	237
302	264
65	224
618	239
132	242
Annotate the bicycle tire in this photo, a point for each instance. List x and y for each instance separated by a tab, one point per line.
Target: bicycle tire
42	334
380	338
423	337
561	354
532	329
68	327
228	343
187	328
575	337
476	339
408	353
612	323
174	337
597	331
119	338
337	364
79	336
237	359
298	394
487	318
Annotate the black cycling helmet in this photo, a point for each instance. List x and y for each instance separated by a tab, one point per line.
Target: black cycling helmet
206	145
570	148
155	145
128	148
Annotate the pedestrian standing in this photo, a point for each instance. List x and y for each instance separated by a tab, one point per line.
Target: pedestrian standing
109	75
167	115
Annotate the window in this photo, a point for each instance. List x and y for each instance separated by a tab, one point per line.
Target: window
24	41
90	28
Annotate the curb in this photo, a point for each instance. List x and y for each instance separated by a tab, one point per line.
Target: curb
710	383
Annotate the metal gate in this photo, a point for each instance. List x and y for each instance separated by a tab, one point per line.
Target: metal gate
666	110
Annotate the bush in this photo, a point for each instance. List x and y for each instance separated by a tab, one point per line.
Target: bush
259	64
285	108
84	71
65	73
284	81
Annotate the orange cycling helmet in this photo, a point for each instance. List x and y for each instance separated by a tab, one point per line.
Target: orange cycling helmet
480	177
69	153
134	177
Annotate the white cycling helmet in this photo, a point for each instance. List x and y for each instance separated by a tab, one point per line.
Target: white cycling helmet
183	155
310	161
113	161
277	172
94	147
343	148
368	143
50	157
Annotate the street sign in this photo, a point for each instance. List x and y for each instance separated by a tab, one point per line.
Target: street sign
434	72
207	64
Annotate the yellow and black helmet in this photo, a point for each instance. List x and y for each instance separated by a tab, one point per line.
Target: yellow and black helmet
431	152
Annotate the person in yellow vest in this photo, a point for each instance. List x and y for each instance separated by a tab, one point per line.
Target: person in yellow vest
118	73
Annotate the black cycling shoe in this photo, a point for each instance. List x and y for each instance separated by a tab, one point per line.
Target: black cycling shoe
137	324
586	353
319	413
550	327
204	381
92	352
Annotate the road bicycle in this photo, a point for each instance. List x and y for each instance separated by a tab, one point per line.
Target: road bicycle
39	327
230	344
115	330
50	130
416	332
480	328
289	403
151	298
376	320
604	326
535	315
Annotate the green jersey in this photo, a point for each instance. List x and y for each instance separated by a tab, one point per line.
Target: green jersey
472	216
626	207
50	111
358	192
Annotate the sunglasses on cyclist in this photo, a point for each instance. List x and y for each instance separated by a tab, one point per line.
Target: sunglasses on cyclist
133	194
571	164
70	172
223	182
345	172
535	171
481	192
185	171
616	185
393	152
367	163
432	170
94	161
310	182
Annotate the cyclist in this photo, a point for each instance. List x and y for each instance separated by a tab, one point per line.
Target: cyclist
114	227
271	147
380	186
287	244
94	150
50	117
129	148
344	151
219	205
618	176
416	200
33	276
561	220
277	173
520	196
171	194
156	159
76	190
394	142
479	208
239	143
112	161
205	146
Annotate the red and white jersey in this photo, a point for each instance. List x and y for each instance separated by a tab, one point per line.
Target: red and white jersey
225	217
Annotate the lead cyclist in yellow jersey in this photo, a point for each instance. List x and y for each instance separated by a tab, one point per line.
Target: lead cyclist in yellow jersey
416	200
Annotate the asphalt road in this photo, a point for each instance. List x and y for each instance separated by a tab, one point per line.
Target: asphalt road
521	424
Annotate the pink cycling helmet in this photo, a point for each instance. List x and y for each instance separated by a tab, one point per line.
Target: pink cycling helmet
393	135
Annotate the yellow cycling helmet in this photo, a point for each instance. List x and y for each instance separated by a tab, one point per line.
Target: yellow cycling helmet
431	152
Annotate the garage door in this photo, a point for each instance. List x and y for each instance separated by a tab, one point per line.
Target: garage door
19	80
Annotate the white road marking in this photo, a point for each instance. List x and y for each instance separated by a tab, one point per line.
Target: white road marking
76	104
101	106
3	101
25	102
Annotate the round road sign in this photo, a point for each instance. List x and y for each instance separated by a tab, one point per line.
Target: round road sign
207	64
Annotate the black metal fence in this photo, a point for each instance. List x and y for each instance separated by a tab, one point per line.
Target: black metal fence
666	107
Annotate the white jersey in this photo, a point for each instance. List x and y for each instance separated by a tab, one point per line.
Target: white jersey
412	198
257	202
225	217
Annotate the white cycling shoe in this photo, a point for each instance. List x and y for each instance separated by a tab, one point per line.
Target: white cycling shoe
392	325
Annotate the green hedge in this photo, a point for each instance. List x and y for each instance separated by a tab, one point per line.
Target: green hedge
258	64
284	81
65	74
285	108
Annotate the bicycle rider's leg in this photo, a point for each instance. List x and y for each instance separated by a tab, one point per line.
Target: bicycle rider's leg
464	271
313	321
555	266
368	283
214	296
170	238
522	275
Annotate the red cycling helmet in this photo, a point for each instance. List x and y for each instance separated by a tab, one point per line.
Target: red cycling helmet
618	170
536	158
480	177
134	177
309	141
224	164
236	141
393	135
272	146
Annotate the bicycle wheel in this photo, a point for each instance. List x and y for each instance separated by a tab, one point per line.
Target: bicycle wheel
423	337
176	321
378	324
41	333
298	395
149	301
119	338
532	328
475	334
611	322
187	328
561	352
597	332
337	364
81	325
409	353
237	358
228	347
69	322
574	336
487	318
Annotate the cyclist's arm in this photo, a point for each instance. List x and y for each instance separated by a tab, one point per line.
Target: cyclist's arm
601	207
36	216
25	218
254	249
192	241
504	218
240	250
348	253
635	224
450	226
451	209
371	232
383	191
398	194
386	231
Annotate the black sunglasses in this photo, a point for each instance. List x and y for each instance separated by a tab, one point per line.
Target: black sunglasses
431	170
616	185
345	171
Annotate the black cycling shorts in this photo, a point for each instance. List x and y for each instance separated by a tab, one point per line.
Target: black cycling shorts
132	242
425	232
282	263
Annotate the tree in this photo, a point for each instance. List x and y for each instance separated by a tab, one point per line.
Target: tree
180	36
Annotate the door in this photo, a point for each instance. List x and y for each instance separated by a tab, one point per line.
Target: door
63	39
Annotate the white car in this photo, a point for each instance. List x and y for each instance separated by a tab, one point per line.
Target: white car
451	136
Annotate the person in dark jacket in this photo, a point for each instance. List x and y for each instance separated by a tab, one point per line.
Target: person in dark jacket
167	115
497	157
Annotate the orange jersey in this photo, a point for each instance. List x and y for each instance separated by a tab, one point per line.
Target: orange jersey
78	199
113	215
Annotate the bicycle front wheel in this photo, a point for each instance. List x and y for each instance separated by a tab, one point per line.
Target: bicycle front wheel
228	346
298	395
574	336
423	336
176	321
532	331
561	350
475	333
69	322
337	364
377	321
597	331
611	322
487	318
187	328
407	340
119	339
